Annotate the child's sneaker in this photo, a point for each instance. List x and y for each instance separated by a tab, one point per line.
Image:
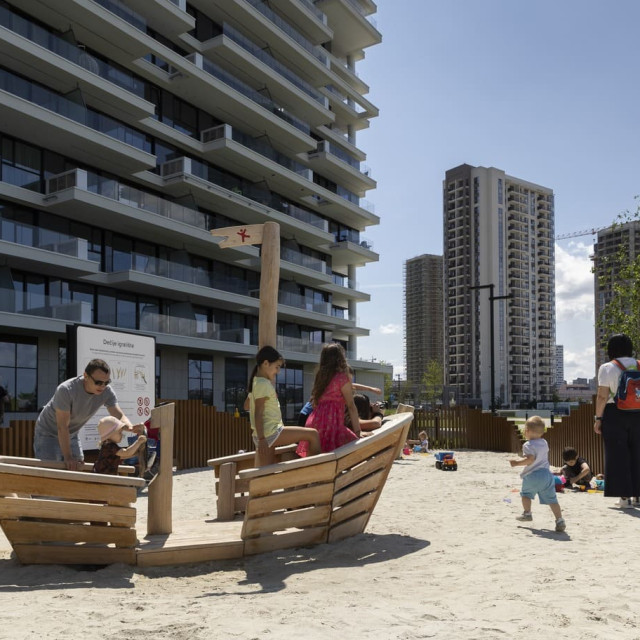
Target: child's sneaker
561	525
525	517
624	503
636	501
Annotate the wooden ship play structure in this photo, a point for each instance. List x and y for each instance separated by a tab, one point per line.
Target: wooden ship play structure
51	515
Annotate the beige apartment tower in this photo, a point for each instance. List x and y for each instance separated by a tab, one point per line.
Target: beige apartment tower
498	235
423	316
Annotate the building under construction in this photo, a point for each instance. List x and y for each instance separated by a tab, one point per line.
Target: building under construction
423	313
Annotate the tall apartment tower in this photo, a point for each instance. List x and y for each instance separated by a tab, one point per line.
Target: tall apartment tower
498	235
423	317
606	253
131	128
559	365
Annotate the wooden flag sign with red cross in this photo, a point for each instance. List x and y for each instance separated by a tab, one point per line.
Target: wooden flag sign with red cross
237	236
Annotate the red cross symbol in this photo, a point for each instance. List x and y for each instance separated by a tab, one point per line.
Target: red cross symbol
243	234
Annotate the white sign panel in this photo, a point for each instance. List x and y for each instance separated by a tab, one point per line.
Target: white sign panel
131	358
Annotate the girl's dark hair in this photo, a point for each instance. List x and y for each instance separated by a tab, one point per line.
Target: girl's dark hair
619	346
266	353
363	407
332	360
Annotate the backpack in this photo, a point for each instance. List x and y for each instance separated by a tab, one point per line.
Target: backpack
627	397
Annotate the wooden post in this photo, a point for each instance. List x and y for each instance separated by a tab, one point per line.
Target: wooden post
269	280
268	235
227	491
160	506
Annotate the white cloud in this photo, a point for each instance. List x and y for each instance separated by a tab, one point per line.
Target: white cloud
390	329
579	364
574	282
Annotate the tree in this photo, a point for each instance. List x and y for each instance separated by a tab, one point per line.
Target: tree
388	384
433	382
619	282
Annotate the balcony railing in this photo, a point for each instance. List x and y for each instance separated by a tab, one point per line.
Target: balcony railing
289	30
247	91
121	10
309	262
28	235
263	148
274	64
243	188
48	99
327	147
65	49
114	190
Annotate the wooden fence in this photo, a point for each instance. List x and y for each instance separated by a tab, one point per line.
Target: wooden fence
202	433
464	428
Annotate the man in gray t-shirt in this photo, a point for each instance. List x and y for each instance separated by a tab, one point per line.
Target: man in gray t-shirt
74	403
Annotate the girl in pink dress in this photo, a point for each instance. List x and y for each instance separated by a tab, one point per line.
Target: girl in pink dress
332	392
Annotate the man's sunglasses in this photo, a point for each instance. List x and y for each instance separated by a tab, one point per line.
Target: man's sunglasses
100	383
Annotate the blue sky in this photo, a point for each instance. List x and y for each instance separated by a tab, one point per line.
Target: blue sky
546	90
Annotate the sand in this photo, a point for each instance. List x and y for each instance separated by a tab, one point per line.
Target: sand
443	557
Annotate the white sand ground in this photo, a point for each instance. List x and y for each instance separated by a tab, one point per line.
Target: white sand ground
443	557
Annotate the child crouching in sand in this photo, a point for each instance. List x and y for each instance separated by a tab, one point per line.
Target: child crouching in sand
111	455
536	476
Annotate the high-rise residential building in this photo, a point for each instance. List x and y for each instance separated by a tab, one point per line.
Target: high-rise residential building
606	262
498	241
130	129
559	365
423	316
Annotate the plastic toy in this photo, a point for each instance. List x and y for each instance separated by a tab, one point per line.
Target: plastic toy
446	461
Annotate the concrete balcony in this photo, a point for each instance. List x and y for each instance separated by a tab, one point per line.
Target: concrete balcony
244	59
348	253
241	200
352	30
44	57
267	28
332	162
210	87
34	114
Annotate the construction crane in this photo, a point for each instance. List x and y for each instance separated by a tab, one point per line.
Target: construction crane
577	234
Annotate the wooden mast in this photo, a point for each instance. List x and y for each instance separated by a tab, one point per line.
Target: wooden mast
268	235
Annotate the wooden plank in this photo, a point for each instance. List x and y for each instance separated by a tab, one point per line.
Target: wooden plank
287	540
192	554
123	469
60	554
71	489
12	508
250	457
363	504
308	517
365	468
348	528
288	465
390	440
313	474
353	491
226	491
316	494
29	532
78	476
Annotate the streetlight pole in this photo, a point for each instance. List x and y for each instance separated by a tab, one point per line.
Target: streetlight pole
492	299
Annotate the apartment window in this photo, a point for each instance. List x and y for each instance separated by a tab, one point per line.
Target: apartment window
62	361
201	378
235	381
500	191
18	372
21	164
289	387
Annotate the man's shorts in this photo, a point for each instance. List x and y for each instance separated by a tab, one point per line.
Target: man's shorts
47	447
539	483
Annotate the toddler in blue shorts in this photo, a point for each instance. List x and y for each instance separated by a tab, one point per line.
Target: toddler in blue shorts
537	478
